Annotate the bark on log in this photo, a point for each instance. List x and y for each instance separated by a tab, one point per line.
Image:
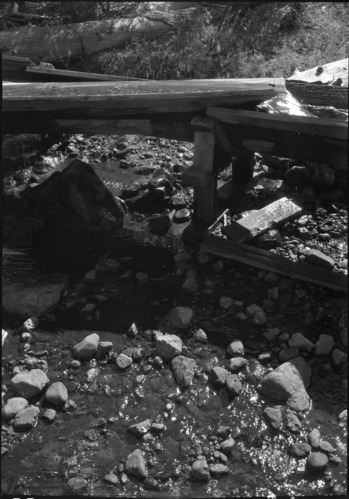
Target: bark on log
53	43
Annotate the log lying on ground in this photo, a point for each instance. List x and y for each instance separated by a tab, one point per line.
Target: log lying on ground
37	104
53	43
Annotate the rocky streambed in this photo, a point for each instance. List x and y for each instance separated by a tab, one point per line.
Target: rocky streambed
197	377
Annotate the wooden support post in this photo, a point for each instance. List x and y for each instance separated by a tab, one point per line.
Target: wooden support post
205	195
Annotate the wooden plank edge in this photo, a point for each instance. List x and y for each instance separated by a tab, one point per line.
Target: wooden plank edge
265	260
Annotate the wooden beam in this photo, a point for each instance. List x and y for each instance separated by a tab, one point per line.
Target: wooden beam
47	74
318	95
261	221
266	260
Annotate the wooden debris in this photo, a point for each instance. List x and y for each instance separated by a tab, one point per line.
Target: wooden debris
269	261
261	221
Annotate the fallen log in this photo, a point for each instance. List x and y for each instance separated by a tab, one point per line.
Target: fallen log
319	95
54	43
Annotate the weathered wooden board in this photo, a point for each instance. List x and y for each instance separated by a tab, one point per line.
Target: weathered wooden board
266	260
261	221
322	74
319	95
47	74
14	68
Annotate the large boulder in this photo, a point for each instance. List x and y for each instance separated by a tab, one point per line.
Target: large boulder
29	383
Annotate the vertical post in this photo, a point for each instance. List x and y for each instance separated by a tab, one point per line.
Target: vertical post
205	195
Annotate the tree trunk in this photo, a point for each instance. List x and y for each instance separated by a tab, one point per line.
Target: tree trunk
52	43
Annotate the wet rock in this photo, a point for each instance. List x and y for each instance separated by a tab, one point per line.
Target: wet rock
235	348
13	406
300	450
111	478
27	418
49	414
299	341
168	346
233	383
227	445
180	317
318	258
199	470
183	370
326	447
159	224
338	357
104	347
57	394
218	470
200	336
236	364
87	347
30	383
123	361
135	464
33	295
218	376
77	484
257	314
314	438
317	461
324	345
292	422
140	429
287	384
274	416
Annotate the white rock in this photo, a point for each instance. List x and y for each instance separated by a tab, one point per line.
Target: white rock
13	406
87	347
235	348
168	346
135	464
29	383
183	370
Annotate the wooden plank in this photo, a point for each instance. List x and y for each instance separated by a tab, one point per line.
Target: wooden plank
266	260
255	145
296	124
63	75
324	73
205	196
319	95
261	221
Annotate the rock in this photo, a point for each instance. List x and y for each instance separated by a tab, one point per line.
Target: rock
288	384
199	470
30	324
233	383
123	361
318	258
200	336
130	190
300	450
227	445
271	334
323	177
13	406
77	484
342	416
159	224
218	376
168	346
314	438
223	431
220	456
226	302
183	370
298	177
57	394
324	345
33	295
292	422
104	347
236	364
257	314
235	348
288	354
274	417
182	215
317	461
299	341
180	317
269	240
158	427
140	429
27	418
135	464
87	347
111	478
326	447
338	357
30	383
49	414
150	483
217	470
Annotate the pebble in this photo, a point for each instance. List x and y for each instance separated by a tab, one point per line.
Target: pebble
49	414
300	450
135	464
318	258
111	478
235	348
227	445
57	394
27	418
75	364
274	416
77	484
288	354
29	384
150	483
326	447
86	348
338	357
317	461
301	342
314	438
292	422
200	336
13	406
182	215
107	264
30	324
183	370
218	376
223	431
140	429
226	302
233	383
324	345
123	361
257	314
343	415
218	266
104	347
132	330
199	470
180	317
158	427
168	346
236	364
217	470
271	334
